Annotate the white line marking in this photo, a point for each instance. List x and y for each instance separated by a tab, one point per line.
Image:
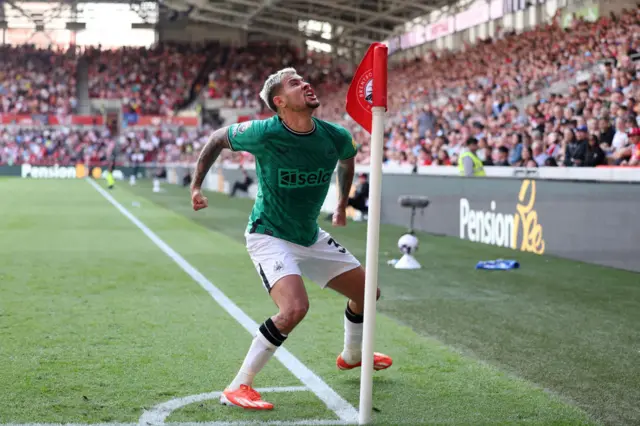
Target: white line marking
345	411
238	423
158	414
68	424
273	423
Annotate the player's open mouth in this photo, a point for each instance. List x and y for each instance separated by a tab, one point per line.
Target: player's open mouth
310	94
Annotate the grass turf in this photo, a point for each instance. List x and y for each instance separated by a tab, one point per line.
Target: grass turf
568	326
98	323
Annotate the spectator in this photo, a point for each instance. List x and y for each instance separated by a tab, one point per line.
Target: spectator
539	155
607	132
503	153
575	147
360	200
633	158
620	138
242	185
526	159
595	156
469	164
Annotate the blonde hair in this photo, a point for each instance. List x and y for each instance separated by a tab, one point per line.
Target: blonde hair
272	82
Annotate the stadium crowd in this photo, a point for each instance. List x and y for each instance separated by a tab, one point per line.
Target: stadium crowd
34	81
155	80
482	83
64	145
437	103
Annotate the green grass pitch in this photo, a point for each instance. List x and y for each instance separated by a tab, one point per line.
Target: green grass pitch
99	325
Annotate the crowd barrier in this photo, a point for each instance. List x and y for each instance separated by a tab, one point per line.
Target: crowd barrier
584	214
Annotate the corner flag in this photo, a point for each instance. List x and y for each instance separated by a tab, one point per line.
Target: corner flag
368	88
366	104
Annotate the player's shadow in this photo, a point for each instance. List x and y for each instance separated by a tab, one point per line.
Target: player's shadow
381	385
378	381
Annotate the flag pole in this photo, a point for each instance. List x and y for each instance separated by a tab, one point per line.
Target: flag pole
378	109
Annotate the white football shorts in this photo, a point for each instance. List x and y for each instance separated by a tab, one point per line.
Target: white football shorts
275	258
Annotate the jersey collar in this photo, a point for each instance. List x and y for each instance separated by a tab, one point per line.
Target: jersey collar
290	130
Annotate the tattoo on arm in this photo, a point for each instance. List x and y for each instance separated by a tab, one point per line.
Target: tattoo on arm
214	146
346	170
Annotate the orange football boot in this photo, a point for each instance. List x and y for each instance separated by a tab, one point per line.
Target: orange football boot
245	397
380	362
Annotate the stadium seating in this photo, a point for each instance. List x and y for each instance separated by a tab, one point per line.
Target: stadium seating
154	80
36	81
525	97
482	85
62	145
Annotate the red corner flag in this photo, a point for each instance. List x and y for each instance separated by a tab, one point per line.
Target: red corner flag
369	86
367	104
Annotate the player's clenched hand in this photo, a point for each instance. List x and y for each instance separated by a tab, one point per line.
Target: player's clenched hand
339	217
198	201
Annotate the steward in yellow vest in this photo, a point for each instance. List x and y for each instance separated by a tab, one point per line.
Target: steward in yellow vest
468	163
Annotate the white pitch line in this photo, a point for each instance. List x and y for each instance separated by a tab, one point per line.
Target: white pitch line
159	413
345	411
238	423
273	423
68	424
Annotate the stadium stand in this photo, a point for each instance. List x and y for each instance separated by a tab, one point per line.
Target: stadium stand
63	145
148	81
154	80
36	81
484	82
544	97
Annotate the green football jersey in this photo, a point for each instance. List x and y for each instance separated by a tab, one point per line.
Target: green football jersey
294	172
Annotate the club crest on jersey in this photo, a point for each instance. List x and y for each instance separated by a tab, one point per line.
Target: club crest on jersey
365	90
244	126
241	128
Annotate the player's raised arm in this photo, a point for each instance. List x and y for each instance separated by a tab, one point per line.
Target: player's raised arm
346	169
218	141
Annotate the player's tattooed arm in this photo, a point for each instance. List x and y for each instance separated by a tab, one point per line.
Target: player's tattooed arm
346	171
218	141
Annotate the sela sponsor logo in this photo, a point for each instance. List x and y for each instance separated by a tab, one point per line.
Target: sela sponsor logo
519	231
293	178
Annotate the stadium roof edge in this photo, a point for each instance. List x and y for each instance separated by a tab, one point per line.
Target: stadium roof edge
355	23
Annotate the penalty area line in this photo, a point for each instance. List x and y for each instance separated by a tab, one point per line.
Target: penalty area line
345	411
